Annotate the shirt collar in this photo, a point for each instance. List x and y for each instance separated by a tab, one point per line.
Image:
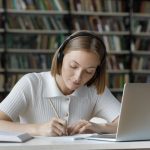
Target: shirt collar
50	88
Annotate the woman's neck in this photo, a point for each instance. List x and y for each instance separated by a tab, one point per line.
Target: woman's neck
61	85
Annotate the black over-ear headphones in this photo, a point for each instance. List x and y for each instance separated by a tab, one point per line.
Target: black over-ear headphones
60	54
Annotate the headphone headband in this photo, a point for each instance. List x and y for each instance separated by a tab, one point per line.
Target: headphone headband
60	54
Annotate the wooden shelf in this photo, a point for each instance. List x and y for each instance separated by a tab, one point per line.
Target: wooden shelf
111	33
105	14
21	31
118	71
142	34
36	51
121	52
141	16
20	71
37	12
141	72
141	53
1	50
1	10
1	30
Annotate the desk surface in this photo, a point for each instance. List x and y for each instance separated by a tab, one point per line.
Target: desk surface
45	143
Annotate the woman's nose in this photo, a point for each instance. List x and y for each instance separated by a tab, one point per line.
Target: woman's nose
78	76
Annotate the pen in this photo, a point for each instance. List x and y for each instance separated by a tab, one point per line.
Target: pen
54	109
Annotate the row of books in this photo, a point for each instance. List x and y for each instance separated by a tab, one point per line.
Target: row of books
116	81
142	6
59	22
118	62
141	43
98	5
98	23
141	63
77	5
140	25
101	25
50	42
28	61
56	22
37	4
11	80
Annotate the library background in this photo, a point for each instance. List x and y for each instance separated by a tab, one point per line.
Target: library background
31	31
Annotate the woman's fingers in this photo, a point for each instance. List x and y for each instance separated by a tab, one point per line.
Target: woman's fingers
77	127
58	126
61	128
86	128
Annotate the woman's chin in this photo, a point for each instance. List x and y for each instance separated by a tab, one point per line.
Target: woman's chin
73	88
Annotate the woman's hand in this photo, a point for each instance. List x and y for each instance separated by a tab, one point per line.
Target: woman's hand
56	127
84	126
80	127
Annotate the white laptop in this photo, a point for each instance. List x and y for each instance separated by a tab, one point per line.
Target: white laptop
134	121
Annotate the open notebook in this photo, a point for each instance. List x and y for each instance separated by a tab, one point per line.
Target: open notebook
134	121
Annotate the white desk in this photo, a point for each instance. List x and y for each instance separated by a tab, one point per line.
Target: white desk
45	143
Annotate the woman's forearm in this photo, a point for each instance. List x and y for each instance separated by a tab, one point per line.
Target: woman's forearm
32	129
107	128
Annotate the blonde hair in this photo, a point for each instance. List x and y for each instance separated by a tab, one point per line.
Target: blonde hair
83	41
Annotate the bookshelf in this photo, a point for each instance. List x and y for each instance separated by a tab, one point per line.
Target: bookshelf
32	30
141	41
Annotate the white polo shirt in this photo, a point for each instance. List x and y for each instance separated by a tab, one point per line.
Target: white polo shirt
29	100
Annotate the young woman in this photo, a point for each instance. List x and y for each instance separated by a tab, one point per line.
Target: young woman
62	101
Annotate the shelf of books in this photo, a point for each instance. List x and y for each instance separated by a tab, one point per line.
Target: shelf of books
141	41
33	30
